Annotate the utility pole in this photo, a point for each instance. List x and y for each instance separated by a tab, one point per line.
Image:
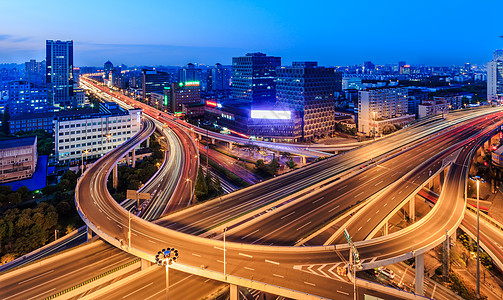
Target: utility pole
478	240
225	264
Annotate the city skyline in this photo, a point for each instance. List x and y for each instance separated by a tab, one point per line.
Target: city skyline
207	33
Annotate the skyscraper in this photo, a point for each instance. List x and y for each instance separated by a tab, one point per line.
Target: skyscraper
254	78
309	89
154	81
219	78
495	77
59	73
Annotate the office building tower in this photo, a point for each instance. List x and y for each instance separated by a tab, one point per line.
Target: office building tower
220	78
310	90
154	81
179	95
380	109
368	67
189	73
26	97
59	73
254	78
495	77
107	69
34	71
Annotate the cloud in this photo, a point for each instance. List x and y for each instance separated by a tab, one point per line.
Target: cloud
4	37
12	38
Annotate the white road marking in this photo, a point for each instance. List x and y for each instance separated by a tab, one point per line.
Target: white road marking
161	291
378	211
334	208
152	241
242	254
343	187
196	255
249	269
35	277
145	286
221	262
385	204
317	200
358	195
344	293
362	177
287	215
244	237
37	296
310	283
368	219
304	225
272	262
218	248
280	276
359	228
378	183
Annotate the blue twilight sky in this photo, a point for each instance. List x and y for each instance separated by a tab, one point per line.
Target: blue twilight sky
154	32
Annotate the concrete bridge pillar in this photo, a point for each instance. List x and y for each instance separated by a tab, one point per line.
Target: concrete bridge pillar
230	146
446	257
134	158
442	177
145	264
234	293
199	136
148	142
385	228
115	178
213	141
303	159
412	209
89	233
419	274
127	159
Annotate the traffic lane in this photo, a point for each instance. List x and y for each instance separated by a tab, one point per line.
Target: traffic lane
196	216
302	218
490	236
55	278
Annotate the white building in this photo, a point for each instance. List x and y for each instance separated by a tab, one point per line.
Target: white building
495	77
18	158
432	107
94	134
380	107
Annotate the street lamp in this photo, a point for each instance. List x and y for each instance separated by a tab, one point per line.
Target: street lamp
374	124
82	159
129	231
478	179
225	263
166	257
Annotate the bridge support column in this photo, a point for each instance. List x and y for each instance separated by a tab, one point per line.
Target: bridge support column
303	159
127	159
412	209
148	142
442	177
115	178
446	257
89	234
385	228
145	264
230	146
234	292
420	274
213	141
134	158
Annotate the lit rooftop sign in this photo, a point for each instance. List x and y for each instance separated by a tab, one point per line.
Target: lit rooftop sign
271	114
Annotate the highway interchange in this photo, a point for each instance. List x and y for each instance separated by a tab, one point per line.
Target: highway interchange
275	271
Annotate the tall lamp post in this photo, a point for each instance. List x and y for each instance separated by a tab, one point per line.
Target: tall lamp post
165	258
374	124
129	230
82	159
478	179
225	263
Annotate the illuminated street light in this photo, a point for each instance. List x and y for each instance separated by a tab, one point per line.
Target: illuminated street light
166	257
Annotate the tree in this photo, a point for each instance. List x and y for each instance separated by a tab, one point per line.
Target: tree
291	164
273	166
201	189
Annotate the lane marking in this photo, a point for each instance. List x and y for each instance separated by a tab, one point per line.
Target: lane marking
310	283
344	293
317	200
145	286
242	254
342	187
287	215
359	228
152	241
280	276
304	225
161	291
244	237
272	262
358	194
378	183
196	255
37	296
334	208
218	248
221	262
249	269
35	277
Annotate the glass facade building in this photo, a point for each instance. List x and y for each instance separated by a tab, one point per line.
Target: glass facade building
59	73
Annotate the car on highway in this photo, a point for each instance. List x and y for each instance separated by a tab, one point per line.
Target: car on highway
386	272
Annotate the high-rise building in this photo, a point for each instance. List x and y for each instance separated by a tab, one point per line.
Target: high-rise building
59	73
306	88
18	158
154	81
34	71
26	97
179	95
188	73
220	78
254	78
495	77
368	67
380	109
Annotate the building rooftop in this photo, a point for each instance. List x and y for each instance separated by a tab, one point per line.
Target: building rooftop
18	142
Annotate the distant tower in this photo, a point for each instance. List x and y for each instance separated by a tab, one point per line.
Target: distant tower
107	67
59	73
495	77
